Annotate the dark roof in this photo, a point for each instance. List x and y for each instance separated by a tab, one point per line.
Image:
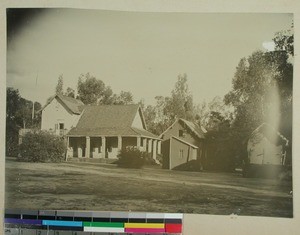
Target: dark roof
71	104
109	120
271	134
197	130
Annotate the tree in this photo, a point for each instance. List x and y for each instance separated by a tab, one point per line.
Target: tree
262	92
167	109
284	40
125	97
59	89
219	147
70	92
12	121
180	104
18	115
206	113
93	91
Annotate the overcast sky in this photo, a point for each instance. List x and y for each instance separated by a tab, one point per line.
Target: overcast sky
138	52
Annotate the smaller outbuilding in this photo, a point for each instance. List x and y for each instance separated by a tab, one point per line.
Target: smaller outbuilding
266	149
182	142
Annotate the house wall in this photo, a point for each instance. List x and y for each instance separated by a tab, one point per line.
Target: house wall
188	136
180	153
174	131
262	151
137	121
55	113
165	150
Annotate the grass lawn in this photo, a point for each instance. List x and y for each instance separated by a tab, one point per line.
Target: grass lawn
87	186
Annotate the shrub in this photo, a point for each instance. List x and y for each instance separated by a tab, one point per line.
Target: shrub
131	158
42	147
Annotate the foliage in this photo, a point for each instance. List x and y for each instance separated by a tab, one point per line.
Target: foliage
167	109
42	147
132	158
59	89
70	92
210	114
262	92
219	146
93	91
284	40
125	97
18	115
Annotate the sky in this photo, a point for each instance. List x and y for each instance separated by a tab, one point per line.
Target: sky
140	52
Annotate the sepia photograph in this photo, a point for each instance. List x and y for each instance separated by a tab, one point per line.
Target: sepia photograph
149	111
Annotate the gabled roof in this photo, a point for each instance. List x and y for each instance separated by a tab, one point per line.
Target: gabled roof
197	130
187	143
194	128
271	134
109	120
72	105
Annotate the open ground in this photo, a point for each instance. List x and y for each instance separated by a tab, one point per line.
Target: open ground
91	186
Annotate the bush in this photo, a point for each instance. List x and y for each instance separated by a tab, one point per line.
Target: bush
132	158
42	147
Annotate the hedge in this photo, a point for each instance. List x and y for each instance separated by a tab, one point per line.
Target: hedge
134	158
42	146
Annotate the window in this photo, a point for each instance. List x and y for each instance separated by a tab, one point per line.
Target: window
61	126
181	153
181	133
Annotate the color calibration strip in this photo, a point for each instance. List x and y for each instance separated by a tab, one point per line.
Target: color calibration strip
83	222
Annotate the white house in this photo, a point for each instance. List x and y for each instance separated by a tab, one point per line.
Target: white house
266	146
60	114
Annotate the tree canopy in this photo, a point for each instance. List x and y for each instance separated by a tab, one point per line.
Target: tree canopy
18	115
167	109
93	91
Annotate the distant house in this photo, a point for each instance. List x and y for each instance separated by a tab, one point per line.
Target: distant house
182	142
266	146
103	130
60	114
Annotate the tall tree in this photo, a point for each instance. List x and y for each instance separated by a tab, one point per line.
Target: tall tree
59	89
70	92
206	113
93	91
180	104
125	97
18	115
262	92
168	109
